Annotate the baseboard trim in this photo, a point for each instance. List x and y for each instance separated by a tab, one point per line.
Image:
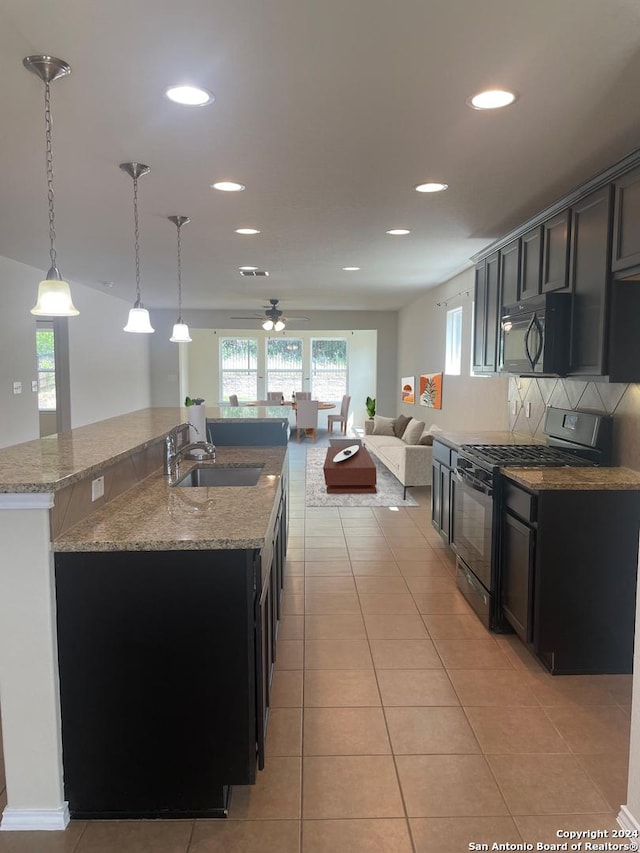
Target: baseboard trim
627	820
33	820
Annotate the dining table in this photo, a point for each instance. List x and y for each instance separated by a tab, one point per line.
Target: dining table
322	406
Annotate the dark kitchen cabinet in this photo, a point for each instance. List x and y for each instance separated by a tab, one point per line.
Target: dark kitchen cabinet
531	263
443	466
589	280
517	560
626	221
510	273
555	252
486	315
479	315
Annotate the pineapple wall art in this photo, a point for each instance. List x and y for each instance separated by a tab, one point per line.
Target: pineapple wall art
431	390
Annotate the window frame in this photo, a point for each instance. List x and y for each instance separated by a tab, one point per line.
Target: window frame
453	342
313	372
248	371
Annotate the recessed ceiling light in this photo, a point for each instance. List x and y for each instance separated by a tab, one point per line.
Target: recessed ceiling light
247	231
492	99
248	269
431	187
191	96
350	269
228	186
399	232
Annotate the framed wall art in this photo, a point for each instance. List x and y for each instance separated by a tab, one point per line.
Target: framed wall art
431	390
408	394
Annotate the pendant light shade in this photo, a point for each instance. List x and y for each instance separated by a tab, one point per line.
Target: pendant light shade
54	295
138	321
180	334
267	325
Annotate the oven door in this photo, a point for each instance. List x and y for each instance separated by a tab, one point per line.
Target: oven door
472	525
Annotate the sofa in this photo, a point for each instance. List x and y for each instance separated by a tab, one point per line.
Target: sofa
404	446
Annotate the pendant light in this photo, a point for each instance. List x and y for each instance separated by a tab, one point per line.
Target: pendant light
138	315
180	333
54	295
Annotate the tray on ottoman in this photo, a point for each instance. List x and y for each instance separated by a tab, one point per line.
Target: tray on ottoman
355	475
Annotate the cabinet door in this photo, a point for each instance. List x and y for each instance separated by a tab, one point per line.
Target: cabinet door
555	252
589	276
436	497
264	664
490	354
626	222
479	316
531	263
510	273
516	563
445	501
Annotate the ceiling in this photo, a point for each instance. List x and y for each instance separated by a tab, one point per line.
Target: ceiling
330	112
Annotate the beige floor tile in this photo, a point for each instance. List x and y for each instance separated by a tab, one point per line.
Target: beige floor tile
415	687
431	567
448	785
359	523
592	728
573	689
50	842
382	585
545	784
348	626
292	605
395	627
332	602
295	555
289	654
515	730
373	552
337	654
326	553
291	628
330	583
374	568
275	796
284	732
322	512
620	686
381	604
419	731
609	772
544	828
441	602
294	568
454	834
356	512
416	553
286	689
350	786
145	836
356	538
519	655
472	654
333	540
238	836
314	568
381	835
293	585
493	687
421	585
340	688
345	731
404	654
452	627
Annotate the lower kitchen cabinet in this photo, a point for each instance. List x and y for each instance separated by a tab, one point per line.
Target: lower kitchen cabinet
568	564
444	461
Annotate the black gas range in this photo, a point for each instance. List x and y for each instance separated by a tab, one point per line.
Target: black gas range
573	438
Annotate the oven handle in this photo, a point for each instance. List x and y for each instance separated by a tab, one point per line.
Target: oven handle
538	326
472	484
526	342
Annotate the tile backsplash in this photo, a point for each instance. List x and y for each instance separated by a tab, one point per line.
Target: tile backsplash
616	399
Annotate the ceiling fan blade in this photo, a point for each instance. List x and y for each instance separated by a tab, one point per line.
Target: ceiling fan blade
304	319
251	317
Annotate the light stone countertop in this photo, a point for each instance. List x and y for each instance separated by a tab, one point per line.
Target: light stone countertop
574	479
456	438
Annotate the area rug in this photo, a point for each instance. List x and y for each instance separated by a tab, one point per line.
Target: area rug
389	491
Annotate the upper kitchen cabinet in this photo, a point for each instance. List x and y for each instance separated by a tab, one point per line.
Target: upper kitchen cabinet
531	263
555	252
588	279
486	315
626	222
510	273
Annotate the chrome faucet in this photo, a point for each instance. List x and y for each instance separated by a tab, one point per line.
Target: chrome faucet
174	457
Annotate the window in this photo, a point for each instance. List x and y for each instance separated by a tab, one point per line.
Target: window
453	354
45	352
284	365
328	369
239	368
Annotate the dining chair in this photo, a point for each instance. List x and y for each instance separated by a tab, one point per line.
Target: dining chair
274	395
307	418
303	395
342	417
233	399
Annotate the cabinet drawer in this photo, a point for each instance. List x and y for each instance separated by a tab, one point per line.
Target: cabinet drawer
441	453
522	503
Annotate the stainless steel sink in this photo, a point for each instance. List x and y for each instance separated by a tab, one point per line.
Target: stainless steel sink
209	475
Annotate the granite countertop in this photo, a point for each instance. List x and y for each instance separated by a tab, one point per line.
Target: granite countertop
574	479
155	516
456	438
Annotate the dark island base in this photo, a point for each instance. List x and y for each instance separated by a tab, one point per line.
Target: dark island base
220	802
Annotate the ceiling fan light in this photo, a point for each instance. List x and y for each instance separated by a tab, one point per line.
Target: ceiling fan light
278	326
139	321
54	299
267	325
180	334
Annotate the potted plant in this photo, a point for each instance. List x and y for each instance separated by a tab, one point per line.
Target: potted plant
371	407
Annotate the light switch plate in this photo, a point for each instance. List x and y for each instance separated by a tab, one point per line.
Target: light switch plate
97	488
527	409
514	407
34	386
17	387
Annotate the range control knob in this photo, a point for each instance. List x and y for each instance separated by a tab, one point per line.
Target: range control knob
464	463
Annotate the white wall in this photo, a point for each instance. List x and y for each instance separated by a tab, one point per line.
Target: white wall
109	369
468	402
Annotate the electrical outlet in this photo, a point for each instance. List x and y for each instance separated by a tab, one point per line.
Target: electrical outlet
34	386
514	407
17	387
527	409
97	488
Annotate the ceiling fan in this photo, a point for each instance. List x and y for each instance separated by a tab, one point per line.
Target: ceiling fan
273	318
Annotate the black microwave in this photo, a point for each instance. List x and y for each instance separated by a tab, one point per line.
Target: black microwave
534	336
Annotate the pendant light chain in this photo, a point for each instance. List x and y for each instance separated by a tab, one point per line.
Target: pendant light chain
48	134
137	239
179	274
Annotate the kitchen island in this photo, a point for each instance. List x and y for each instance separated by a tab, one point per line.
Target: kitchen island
147	615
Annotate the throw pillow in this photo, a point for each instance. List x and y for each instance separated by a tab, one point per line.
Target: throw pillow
426	438
400	425
413	431
383	426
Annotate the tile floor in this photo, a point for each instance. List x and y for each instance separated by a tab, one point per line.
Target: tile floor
398	723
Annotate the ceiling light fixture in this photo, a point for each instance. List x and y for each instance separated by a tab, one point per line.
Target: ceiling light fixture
399	232
54	294
350	269
492	99
247	231
138	315
267	325
228	186
247	269
180	333
190	96
431	187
